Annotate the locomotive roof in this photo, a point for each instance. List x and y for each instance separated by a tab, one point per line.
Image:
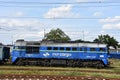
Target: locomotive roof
27	43
74	44
59	44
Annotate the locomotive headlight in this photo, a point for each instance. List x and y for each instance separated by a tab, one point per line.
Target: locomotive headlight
101	56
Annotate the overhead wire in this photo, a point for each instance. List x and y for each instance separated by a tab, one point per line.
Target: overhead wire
43	4
46	6
38	2
85	18
33	2
31	6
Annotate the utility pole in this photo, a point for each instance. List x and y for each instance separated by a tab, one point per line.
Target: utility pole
12	39
83	34
44	33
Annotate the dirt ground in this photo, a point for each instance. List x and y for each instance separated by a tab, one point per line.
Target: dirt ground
48	77
89	71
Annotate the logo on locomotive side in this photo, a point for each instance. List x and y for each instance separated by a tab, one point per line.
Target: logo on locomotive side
62	54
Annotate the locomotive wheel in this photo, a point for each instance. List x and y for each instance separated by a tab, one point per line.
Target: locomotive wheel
20	62
70	63
46	62
99	65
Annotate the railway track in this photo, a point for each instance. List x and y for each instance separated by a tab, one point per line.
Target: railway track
30	69
48	77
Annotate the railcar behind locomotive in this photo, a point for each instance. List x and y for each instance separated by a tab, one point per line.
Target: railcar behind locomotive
4	54
50	53
114	53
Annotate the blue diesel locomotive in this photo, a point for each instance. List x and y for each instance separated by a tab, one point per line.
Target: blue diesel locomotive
51	53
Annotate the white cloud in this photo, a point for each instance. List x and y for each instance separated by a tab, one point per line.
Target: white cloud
24	29
118	25
64	11
30	36
98	14
110	19
111	26
102	32
108	26
74	35
20	24
18	14
111	22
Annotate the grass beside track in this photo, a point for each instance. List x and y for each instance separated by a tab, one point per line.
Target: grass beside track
59	73
111	72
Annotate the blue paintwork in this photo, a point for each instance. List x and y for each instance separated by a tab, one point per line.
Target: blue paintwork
115	55
44	53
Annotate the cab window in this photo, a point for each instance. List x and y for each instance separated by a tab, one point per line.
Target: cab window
49	48
68	48
74	49
102	49
61	48
32	50
55	48
92	49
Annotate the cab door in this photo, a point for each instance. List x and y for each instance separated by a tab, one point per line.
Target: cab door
6	53
1	56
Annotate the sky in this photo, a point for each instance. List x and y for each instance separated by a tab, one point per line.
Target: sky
79	19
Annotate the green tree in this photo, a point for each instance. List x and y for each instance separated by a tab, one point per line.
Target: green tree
82	41
119	46
110	41
79	40
56	34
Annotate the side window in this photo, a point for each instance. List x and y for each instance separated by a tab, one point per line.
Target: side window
28	49
55	48
16	47
32	50
80	49
49	48
85	49
74	49
23	47
102	49
92	49
61	48
68	49
19	47
35	49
